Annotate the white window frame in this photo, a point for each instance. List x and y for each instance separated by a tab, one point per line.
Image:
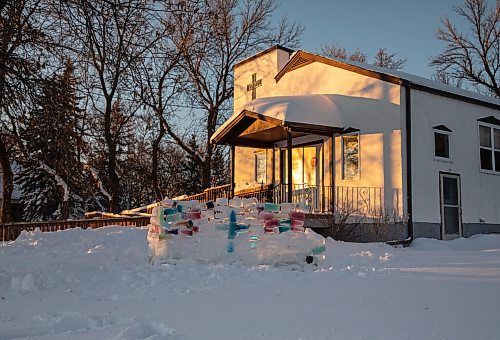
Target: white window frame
358	176
492	149
439	158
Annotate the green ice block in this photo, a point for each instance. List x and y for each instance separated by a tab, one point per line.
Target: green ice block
319	249
272	207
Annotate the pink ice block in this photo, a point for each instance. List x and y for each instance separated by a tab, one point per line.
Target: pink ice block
274	222
192	215
297	223
297	215
187	232
269	230
265	215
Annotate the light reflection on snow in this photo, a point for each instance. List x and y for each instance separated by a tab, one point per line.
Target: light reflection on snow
94	250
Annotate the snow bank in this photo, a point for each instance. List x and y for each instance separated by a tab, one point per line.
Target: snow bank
96	284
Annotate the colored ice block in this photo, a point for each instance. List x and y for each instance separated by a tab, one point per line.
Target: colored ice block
192	215
319	249
272	207
283	228
297	215
170	211
187	232
173	218
272	223
297	223
265	215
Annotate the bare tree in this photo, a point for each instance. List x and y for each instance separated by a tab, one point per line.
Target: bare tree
388	60
3	3
219	34
22	41
473	57
335	51
382	57
159	81
109	38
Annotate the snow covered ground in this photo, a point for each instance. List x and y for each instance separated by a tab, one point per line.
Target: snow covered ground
96	284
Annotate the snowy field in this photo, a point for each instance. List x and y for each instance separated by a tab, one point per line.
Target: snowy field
96	284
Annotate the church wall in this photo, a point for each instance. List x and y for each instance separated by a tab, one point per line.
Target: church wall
318	78
380	171
380	137
479	189
245	167
265	68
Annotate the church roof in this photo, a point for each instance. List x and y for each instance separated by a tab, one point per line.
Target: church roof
265	120
321	114
302	58
261	53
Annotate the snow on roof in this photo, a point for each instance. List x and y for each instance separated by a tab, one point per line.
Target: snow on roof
432	84
331	110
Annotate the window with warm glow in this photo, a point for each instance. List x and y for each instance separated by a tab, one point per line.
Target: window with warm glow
260	167
350	157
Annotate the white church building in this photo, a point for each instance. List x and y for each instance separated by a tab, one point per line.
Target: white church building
339	134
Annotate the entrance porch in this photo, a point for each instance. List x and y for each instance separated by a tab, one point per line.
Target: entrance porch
314	163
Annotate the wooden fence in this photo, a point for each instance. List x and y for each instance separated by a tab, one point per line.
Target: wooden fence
10	231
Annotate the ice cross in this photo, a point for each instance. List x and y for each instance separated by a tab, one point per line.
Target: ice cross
253	86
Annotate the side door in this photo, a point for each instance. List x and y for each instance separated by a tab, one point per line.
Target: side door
451	206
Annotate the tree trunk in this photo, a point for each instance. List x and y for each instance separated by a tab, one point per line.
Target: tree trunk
154	170
7	184
206	180
206	168
114	181
64	210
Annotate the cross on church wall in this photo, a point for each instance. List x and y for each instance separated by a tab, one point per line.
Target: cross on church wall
253	86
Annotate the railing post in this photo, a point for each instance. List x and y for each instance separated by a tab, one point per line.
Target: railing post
332	173
233	170
289	165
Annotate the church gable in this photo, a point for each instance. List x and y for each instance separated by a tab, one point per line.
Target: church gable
254	77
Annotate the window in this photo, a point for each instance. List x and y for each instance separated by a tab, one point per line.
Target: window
489	148
350	157
260	167
441	144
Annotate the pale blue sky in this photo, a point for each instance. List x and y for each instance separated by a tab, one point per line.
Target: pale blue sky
405	27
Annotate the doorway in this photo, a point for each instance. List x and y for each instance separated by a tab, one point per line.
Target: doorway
451	206
307	174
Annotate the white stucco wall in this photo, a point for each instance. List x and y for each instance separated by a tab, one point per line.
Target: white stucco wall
265	67
480	191
319	78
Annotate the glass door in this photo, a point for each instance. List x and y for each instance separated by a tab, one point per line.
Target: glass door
451	207
307	162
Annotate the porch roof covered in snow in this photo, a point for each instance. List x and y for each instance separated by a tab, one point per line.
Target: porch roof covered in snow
265	121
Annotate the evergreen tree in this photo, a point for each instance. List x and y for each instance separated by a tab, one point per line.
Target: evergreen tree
123	144
52	173
220	168
190	183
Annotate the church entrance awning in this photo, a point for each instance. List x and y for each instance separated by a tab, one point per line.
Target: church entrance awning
265	121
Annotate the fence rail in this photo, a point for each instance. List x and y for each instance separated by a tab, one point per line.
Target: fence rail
211	194
10	231
363	200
